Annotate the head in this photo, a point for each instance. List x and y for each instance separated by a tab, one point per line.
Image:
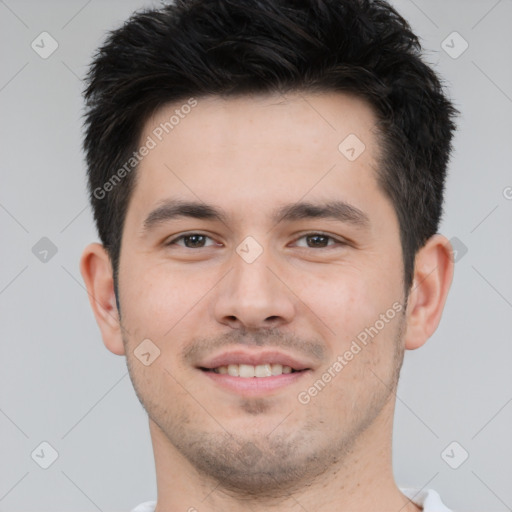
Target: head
247	108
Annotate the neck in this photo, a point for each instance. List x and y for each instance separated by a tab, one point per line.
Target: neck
360	480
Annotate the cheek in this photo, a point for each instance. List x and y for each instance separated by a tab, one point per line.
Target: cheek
154	300
359	314
344	299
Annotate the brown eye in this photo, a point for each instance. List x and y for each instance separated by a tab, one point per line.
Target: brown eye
319	241
190	241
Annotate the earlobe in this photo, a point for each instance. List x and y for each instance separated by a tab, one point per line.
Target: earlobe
433	274
96	270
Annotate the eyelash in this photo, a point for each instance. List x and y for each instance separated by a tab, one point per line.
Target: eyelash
313	233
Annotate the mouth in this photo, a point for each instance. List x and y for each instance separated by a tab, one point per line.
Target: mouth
254	386
247	371
250	374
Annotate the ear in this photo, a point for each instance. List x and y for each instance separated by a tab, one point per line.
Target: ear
96	270
433	273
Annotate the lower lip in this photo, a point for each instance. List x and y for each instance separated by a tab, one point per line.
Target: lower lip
252	386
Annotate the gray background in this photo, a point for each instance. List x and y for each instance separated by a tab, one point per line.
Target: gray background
59	384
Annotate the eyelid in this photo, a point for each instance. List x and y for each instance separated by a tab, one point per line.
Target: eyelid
179	237
339	241
300	234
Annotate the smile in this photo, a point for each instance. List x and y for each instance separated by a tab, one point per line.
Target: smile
247	383
249	370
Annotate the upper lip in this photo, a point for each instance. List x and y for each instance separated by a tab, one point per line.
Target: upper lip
254	359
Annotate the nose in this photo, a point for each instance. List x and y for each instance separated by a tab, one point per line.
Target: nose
254	296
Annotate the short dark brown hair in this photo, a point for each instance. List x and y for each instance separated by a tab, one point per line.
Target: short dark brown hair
194	48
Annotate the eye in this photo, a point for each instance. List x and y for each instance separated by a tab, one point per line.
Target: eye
190	240
198	240
320	240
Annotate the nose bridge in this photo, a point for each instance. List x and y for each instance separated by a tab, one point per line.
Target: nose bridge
251	280
252	295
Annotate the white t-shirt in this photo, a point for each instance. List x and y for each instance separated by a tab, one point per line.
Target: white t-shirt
428	499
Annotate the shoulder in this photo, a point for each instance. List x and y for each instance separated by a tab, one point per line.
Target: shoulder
429	499
147	506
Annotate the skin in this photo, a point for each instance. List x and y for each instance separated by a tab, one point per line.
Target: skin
219	450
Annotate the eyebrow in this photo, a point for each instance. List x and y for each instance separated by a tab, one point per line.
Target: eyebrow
172	209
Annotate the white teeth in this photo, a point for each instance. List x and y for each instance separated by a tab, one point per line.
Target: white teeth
233	370
277	369
263	370
247	371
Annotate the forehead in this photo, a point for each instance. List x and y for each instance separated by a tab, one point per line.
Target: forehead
275	122
249	150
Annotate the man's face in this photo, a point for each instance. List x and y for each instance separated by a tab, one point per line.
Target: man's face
288	293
